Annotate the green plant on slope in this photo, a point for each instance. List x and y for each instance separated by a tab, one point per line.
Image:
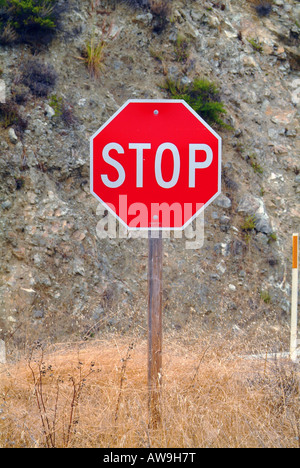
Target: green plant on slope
56	102
28	20
181	49
93	56
202	95
265	296
257	46
249	223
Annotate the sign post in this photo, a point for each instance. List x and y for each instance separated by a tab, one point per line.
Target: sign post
155	268
155	165
294	312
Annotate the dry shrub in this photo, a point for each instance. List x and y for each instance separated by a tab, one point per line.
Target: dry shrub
161	10
39	77
10	116
210	398
262	7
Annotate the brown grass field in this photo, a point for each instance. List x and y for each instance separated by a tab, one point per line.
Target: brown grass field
94	394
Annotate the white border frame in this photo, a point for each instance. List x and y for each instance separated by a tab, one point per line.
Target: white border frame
158	101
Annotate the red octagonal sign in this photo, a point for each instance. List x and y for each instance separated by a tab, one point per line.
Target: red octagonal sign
155	164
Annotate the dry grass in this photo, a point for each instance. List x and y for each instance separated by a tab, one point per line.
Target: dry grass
94	56
95	395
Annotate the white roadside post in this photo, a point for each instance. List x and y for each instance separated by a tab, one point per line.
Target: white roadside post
2	352
2	92
294	314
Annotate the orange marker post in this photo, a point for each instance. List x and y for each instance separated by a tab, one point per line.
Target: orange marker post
294	312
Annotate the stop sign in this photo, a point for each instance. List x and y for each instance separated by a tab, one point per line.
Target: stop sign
155	164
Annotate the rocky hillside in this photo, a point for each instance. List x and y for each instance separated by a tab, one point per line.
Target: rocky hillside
58	280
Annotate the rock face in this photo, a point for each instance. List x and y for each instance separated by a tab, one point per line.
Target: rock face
60	280
254	206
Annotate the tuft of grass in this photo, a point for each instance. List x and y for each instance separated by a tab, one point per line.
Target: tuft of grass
248	227
63	109
257	168
249	224
93	56
257	46
181	49
272	237
56	102
265	296
202	95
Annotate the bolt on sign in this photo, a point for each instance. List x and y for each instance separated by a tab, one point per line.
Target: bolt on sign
155	164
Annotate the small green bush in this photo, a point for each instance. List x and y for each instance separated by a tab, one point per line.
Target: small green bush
29	20
202	95
56	102
93	56
63	110
257	46
272	238
249	223
181	49
252	160
265	296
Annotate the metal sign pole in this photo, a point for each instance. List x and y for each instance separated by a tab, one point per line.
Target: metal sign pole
155	326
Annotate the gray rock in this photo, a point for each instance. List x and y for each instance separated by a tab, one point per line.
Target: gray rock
38	314
225	223
78	267
6	205
254	206
12	136
238	248
38	126
262	239
145	19
50	112
98	313
262	223
223	202
296	97
221	267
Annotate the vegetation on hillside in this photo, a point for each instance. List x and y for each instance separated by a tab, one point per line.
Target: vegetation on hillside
29	20
202	95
